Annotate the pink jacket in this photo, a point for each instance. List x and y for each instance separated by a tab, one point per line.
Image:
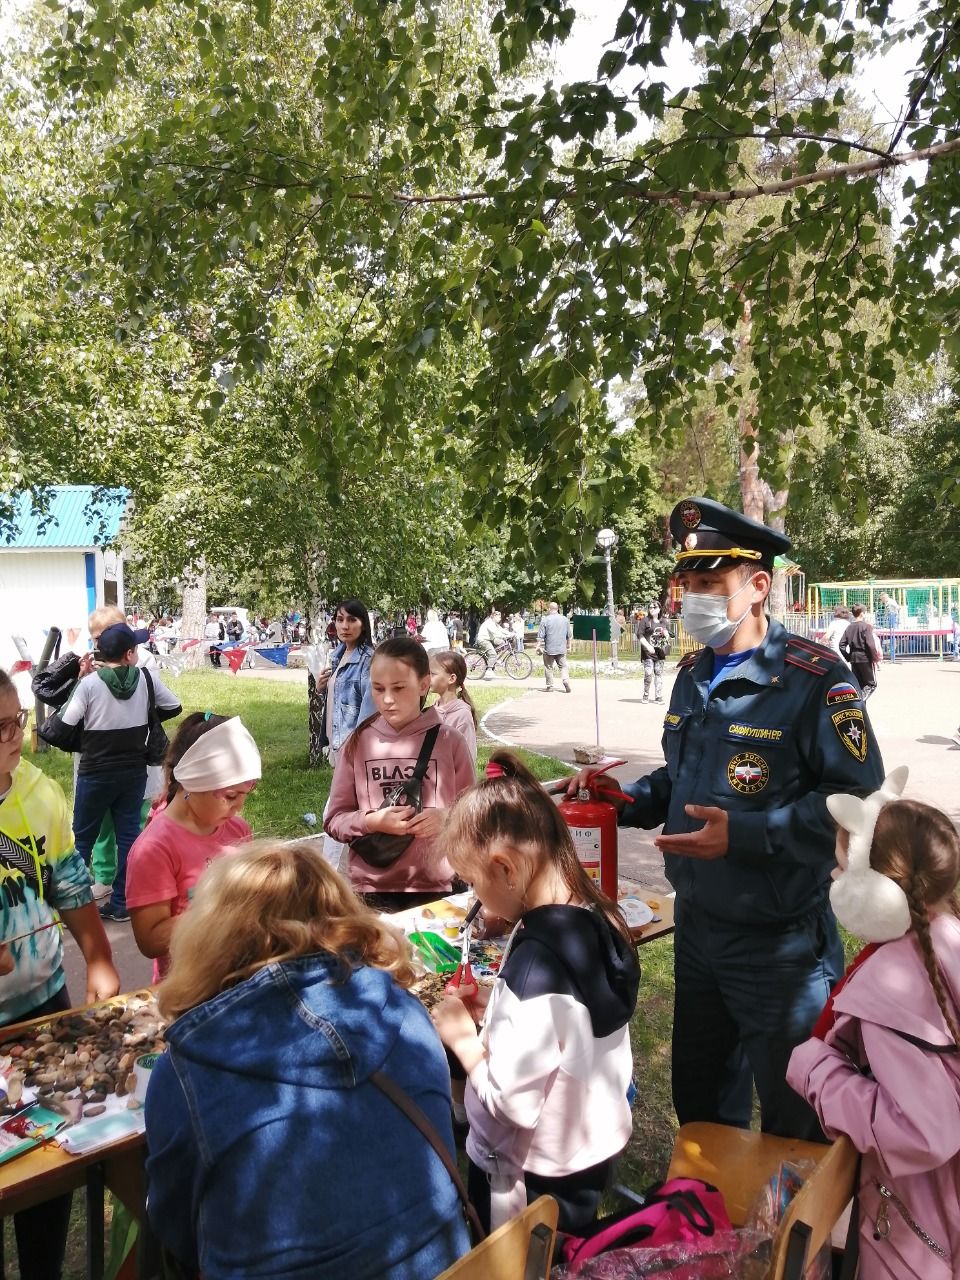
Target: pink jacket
380	757
888	1074
457	715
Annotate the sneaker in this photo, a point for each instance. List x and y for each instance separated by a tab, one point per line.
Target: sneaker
488	674
566	687
110	912
660	700
644	698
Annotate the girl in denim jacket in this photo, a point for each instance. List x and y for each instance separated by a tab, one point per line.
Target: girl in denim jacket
883	1065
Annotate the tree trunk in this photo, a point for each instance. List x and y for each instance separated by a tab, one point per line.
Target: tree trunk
775	505
194	615
316	707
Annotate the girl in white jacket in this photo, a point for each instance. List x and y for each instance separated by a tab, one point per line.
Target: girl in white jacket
549	1069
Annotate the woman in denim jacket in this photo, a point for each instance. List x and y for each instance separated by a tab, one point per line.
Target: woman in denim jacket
271	1152
346	689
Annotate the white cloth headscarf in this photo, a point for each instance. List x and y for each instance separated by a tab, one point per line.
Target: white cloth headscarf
222	757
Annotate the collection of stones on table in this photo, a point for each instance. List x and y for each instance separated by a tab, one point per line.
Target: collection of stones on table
75	1060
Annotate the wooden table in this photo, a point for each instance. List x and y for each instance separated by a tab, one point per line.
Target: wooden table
738	1161
656	929
442	909
49	1171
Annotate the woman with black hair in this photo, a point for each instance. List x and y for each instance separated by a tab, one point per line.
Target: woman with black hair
346	689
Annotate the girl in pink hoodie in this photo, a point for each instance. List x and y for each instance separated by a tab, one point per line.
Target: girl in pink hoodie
383	751
883	1065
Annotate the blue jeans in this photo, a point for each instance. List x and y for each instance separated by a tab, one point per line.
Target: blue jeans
744	999
121	795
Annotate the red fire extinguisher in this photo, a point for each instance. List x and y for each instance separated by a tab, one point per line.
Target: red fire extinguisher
593	826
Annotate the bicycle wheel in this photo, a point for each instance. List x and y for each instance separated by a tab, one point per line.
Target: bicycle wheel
518	665
476	664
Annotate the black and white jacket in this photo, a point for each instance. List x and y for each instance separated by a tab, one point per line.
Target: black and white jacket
115	729
550	1097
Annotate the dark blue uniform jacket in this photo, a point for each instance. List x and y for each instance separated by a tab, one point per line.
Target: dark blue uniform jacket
778	734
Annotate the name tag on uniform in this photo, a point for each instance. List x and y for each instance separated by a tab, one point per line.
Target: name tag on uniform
740	731
673	721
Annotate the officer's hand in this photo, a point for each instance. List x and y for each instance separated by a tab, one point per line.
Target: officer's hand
585	779
710	841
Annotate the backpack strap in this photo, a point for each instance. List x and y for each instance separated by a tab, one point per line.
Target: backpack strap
426	751
403	1102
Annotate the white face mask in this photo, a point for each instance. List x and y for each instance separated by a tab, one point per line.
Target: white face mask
705	617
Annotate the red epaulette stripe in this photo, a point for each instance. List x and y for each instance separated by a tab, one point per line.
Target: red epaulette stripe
687	659
811	646
817	668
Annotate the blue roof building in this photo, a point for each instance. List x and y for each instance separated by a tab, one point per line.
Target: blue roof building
58	565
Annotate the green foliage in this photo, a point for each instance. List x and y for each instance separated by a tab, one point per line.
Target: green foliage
247	169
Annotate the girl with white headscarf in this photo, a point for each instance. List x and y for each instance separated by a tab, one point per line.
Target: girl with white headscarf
212	766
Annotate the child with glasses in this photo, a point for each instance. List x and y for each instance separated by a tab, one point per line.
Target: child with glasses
40	871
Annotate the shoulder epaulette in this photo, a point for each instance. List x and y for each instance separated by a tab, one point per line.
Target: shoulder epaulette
809	655
688	659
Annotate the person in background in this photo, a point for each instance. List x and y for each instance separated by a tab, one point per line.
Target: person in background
553	641
382	751
881	1065
518	627
234	629
550	1070
448	680
654	646
287	999
490	635
112	707
41	876
455	631
212	766
891	619
211	634
434	635
860	648
346	686
838	626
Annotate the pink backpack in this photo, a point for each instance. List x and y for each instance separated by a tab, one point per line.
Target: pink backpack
683	1210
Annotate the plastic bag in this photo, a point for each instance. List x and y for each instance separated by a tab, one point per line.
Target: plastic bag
728	1255
772	1202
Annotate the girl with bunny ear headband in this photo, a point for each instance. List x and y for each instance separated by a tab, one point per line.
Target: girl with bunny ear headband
865	901
883	1063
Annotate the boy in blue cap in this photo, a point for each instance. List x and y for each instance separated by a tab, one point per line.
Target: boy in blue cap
113	706
762	726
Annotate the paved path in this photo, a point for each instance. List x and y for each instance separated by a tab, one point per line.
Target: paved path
914	712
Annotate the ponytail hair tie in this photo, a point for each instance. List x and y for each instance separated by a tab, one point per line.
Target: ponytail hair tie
494	770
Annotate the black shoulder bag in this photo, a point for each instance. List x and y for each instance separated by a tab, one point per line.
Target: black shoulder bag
379	848
415	1114
157	740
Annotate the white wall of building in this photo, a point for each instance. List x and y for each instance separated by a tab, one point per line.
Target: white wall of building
40	589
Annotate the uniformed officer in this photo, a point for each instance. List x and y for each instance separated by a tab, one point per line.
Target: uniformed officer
762	726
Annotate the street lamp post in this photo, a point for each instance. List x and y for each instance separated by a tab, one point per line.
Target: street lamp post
607	539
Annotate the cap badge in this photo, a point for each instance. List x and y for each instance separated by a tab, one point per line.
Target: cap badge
690	541
690	515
